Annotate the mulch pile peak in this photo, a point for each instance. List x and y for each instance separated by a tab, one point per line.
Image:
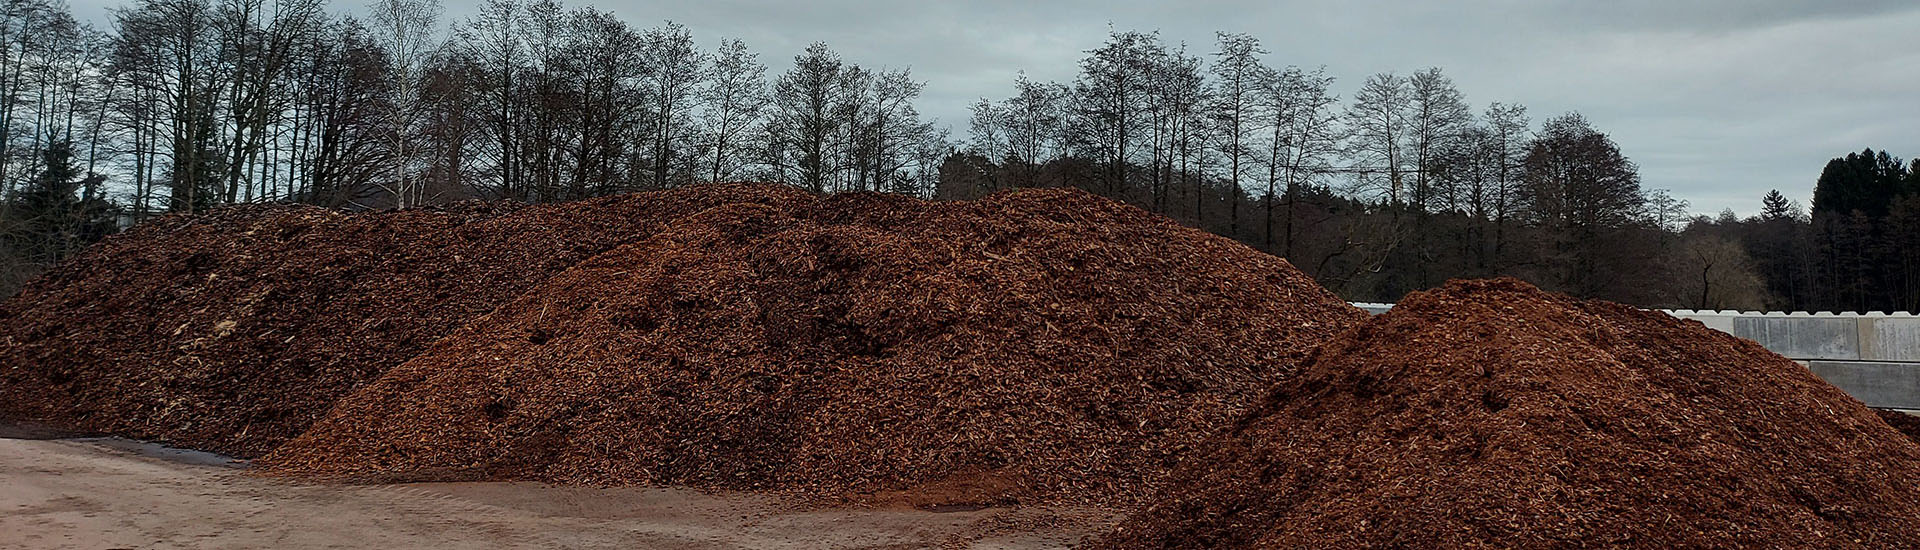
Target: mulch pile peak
1490	414
1031	346
233	331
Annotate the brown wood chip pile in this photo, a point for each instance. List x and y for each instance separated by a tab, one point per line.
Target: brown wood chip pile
1033	346
234	331
1907	423
1489	414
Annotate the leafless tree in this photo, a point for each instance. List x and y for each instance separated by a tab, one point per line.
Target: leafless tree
1298	110
1239	74
1109	99
671	66
407	30
1376	126
734	100
1437	117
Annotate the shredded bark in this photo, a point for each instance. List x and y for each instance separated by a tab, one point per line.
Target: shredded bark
1033	346
234	331
1906	422
1489	414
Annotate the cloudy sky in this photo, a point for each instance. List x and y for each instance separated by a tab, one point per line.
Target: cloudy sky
1717	100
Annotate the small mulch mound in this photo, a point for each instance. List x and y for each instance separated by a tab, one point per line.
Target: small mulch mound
1906	422
234	331
1489	414
1033	346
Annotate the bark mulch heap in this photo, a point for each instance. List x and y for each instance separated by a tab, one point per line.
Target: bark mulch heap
234	331
1489	414
1907	423
1032	346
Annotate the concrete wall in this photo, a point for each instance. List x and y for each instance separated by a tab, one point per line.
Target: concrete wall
1878	384
1825	336
1873	356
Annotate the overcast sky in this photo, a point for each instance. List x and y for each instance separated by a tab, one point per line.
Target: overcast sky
1717	100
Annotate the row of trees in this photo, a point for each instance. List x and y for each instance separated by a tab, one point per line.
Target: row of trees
1397	189
190	104
193	103
1405	185
1857	248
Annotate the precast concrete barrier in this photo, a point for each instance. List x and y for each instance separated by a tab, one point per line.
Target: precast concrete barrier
1874	356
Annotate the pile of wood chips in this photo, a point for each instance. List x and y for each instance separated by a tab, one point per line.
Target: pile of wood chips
1489	414
1906	422
234	331
1033	346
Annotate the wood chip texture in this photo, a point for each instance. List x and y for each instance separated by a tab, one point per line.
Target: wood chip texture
1489	414
1033	346
234	331
1906	422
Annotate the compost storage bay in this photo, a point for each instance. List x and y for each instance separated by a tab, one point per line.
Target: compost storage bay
1034	347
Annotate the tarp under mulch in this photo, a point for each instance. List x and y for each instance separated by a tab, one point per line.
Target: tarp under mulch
1033	346
234	331
1489	414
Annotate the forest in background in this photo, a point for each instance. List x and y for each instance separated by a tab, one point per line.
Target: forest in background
186	105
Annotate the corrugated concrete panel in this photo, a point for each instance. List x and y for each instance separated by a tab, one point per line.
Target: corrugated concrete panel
1890	339
1830	338
1715	321
1884	385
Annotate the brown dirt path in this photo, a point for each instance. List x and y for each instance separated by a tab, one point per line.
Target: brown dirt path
110	493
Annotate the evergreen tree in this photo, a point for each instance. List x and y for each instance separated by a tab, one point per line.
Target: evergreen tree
1866	182
1776	206
48	219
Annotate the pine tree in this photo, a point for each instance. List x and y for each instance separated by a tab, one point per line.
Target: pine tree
49	220
1776	206
1866	182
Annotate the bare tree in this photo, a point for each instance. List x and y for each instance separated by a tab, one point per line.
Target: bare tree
173	46
805	119
672	68
893	131
406	29
1033	120
599	66
987	128
258	41
1712	272
1582	191
1376	124
1109	98
492	39
1508	129
1438	116
1180	97
1298	110
348	93
734	100
1239	73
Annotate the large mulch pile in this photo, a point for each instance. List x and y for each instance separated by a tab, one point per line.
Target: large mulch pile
1489	414
1906	422
1033	346
236	330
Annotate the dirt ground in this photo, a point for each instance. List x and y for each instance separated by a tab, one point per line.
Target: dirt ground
98	493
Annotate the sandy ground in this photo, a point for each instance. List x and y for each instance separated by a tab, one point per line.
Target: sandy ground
110	493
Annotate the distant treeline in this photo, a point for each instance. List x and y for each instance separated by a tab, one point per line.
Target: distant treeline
186	105
1405	186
